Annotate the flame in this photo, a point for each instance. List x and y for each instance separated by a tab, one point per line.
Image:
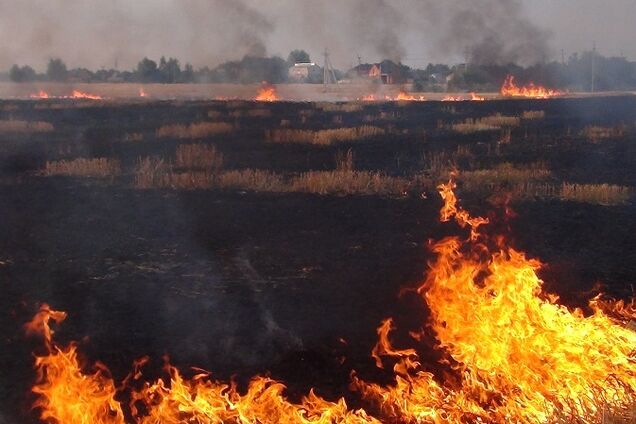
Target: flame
65	392
452	99
70	395
368	98
40	95
519	355
514	355
266	94
510	89
76	94
474	97
142	93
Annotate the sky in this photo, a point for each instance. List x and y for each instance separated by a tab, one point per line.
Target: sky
104	33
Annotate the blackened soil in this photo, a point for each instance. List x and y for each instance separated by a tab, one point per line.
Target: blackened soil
242	283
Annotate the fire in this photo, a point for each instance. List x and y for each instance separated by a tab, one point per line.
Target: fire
512	354
368	98
142	93
519	355
474	97
40	95
510	89
452	99
76	94
70	395
67	393
267	94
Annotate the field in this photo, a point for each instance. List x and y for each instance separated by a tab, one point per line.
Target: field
251	237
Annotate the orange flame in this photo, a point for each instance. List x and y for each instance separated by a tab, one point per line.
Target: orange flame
40	95
474	97
267	94
510	89
521	357
518	356
142	93
66	393
76	94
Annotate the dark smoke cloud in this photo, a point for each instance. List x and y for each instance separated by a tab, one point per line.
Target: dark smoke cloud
96	34
495	32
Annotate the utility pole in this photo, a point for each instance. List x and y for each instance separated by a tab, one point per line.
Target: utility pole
593	65
328	75
359	60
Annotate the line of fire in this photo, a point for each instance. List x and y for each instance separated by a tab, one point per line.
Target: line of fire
432	221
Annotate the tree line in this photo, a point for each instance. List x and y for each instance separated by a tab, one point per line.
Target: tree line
580	72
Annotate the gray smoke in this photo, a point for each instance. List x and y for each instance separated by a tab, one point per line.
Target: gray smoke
95	34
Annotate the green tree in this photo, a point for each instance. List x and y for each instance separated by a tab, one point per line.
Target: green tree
298	56
147	70
56	70
22	74
170	70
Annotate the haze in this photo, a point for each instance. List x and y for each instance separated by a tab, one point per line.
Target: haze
96	34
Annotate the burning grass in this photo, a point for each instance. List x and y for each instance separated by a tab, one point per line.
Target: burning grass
83	167
513	354
323	137
195	130
17	126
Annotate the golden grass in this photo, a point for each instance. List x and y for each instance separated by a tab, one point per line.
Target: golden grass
194	130
533	114
198	156
322	137
133	137
599	194
597	133
17	126
504	174
349	107
350	182
487	123
83	167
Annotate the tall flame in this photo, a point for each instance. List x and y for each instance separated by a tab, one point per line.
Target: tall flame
510	89
513	353
266	94
520	356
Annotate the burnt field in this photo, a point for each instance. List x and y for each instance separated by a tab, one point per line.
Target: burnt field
272	238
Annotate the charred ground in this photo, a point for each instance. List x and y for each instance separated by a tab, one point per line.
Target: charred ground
241	281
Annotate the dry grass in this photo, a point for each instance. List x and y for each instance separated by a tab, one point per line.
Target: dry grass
133	137
322	137
82	167
198	156
194	130
487	123
533	114
596	133
349	107
344	161
505	174
151	173
351	182
599	194
17	126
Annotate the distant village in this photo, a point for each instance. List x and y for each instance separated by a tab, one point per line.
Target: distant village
587	71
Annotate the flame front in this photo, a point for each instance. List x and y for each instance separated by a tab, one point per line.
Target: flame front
76	94
266	94
40	95
519	356
510	89
66	393
513	354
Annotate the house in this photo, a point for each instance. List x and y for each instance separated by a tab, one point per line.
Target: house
303	72
385	72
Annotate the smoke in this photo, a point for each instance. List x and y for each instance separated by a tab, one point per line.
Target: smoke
95	34
495	32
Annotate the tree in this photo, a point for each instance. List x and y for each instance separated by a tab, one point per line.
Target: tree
147	70
22	74
298	56
56	70
170	70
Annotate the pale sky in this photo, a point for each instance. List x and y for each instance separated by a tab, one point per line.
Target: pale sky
100	33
